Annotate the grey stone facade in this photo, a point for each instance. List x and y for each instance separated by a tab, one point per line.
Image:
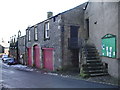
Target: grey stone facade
75	18
59	33
22	49
53	42
104	19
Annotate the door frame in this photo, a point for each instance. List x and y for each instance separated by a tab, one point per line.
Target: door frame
34	60
39	51
52	56
29	48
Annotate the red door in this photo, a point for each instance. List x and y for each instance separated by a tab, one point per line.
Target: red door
48	58
29	56
36	56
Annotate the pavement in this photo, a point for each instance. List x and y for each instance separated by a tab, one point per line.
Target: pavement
98	79
107	79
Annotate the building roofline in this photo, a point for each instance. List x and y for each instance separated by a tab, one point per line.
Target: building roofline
22	36
60	14
86	5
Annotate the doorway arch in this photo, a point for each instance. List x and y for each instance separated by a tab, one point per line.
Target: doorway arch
36	56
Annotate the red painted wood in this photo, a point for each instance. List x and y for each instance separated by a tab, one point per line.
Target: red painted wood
36	56
29	56
48	58
48	48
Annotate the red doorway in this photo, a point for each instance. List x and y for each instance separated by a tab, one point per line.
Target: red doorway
29	56
36	56
48	58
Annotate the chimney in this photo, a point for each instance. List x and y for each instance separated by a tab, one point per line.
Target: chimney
49	14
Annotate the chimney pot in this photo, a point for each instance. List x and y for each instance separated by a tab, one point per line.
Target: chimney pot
49	14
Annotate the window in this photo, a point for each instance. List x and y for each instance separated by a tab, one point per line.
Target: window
46	30
29	38
74	31
35	33
87	24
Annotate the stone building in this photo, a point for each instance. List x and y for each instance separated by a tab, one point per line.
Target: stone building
104	32
54	43
13	50
22	50
85	37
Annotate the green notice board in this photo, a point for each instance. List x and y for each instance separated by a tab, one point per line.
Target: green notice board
109	46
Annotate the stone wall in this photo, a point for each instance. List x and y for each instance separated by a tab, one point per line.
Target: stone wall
73	17
53	42
22	50
103	19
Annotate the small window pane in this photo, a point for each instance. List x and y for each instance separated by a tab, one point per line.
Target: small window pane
47	30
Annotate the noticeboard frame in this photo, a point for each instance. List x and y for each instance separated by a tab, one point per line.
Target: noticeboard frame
108	36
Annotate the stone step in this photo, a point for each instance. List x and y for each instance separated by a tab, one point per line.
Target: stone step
94	64
93	68
87	52
90	49
95	71
88	46
93	61
98	74
92	58
91	54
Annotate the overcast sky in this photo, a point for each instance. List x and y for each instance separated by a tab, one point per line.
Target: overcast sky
19	14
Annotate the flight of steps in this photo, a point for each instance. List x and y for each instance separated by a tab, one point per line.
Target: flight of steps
93	65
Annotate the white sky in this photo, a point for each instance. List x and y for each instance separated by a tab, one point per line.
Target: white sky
19	14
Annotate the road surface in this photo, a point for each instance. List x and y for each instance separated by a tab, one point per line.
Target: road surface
18	78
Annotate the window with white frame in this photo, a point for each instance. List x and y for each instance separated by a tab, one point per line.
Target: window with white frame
29	38
35	33
47	30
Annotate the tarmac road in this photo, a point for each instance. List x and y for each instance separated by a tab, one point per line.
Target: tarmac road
15	78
